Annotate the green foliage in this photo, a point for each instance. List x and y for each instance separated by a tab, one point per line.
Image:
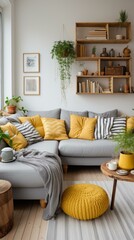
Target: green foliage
14	101
125	141
94	50
5	135
64	52
123	16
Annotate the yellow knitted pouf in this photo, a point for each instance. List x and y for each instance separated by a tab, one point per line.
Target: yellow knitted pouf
84	201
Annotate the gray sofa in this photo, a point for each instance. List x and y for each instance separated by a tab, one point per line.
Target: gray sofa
26	181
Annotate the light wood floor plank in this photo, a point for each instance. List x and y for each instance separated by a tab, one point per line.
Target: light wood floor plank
37	224
23	222
30	222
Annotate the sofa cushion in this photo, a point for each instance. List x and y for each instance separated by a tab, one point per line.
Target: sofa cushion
103	127
18	141
36	122
29	132
119	125
54	129
22	175
84	148
55	113
82	127
130	123
65	115
112	113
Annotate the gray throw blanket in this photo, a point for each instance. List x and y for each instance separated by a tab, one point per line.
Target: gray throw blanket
49	167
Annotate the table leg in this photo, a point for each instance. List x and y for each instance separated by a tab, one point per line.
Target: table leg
113	194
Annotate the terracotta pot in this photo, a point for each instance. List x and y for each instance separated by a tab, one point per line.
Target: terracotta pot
126	161
11	109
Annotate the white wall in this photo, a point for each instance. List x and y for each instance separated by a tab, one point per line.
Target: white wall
38	24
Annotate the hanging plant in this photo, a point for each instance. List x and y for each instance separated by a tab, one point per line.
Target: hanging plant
64	52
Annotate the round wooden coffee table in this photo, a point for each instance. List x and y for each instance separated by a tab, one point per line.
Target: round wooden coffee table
115	176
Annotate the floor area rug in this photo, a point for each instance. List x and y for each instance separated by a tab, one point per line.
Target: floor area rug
112	225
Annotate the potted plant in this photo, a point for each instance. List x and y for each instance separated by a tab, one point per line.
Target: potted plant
64	52
94	51
125	144
123	16
5	135
12	104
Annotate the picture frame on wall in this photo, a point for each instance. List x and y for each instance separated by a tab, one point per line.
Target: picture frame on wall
31	85
31	62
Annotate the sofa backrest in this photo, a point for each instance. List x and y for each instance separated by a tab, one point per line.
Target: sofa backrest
55	113
65	115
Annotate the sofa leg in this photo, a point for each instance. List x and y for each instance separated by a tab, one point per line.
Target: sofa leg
65	168
43	203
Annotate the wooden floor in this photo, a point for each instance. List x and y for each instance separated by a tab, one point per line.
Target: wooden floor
28	222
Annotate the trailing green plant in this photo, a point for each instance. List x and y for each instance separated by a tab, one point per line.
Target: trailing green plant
6	135
64	52
125	141
123	16
14	101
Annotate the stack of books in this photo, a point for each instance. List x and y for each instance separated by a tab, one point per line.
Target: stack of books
81	50
90	86
97	34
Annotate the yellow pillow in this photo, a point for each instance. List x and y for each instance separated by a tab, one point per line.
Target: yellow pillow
130	123
54	129
82	127
18	141
36	122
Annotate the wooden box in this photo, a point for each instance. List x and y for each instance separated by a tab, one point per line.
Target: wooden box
119	70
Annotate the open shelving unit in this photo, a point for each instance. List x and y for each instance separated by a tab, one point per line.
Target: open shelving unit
113	74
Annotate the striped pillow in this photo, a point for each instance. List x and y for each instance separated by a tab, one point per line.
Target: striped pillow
29	132
119	125
103	127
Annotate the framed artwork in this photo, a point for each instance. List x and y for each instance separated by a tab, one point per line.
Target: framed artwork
31	85
31	62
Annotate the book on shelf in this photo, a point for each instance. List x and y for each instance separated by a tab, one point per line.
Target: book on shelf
82	50
80	88
88	85
83	87
96	37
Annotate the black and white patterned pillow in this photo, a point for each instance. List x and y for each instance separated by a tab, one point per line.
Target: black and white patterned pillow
29	132
103	127
119	125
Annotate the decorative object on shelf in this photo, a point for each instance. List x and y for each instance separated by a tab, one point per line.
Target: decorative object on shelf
32	85
110	63
121	89
5	135
64	52
123	16
126	52
85	72
80	73
126	88
112	53
104	53
94	51
125	144
31	62
12	105
118	36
